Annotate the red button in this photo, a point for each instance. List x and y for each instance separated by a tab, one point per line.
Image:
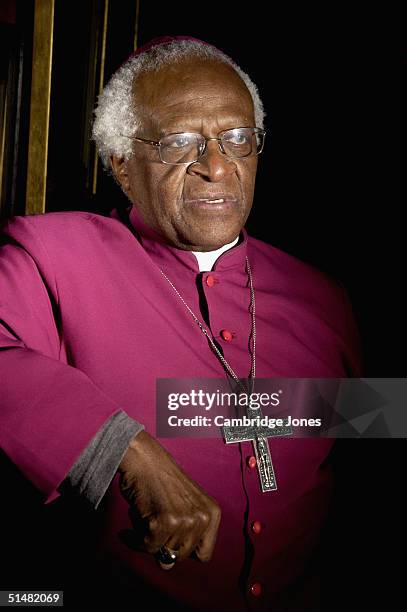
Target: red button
210	280
226	335
255	589
251	462
257	527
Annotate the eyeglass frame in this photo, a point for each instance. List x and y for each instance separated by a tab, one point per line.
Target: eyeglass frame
157	143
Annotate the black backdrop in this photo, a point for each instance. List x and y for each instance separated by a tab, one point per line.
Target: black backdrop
329	190
329	184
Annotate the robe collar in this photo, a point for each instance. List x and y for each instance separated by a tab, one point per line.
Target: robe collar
166	255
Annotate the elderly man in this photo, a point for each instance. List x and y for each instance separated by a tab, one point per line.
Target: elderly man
95	309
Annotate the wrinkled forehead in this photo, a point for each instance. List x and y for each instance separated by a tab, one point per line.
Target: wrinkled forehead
192	86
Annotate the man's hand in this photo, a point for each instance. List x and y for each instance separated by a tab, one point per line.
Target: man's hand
170	509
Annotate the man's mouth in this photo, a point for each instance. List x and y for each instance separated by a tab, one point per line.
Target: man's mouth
213	203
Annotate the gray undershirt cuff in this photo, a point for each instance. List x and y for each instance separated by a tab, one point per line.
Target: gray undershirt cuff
95	469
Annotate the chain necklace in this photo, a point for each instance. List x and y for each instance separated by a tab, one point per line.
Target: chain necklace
256	435
212	344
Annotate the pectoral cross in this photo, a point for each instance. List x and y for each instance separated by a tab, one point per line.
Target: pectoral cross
258	435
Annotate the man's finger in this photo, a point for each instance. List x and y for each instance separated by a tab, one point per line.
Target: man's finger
207	543
156	536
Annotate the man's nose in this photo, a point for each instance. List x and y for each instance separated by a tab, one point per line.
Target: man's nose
213	165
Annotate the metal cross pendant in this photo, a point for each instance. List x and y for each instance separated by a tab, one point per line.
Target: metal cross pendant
258	435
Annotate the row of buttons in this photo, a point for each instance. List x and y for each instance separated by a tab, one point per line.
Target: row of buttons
225	334
257	527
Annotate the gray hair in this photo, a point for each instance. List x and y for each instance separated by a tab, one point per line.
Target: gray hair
115	114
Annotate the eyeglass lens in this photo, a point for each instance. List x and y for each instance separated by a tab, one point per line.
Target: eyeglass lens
187	147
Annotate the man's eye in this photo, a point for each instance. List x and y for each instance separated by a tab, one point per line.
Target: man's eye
238	138
180	142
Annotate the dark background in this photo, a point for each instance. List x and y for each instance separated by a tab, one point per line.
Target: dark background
329	185
329	191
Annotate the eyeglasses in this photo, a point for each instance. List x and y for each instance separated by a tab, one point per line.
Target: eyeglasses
188	147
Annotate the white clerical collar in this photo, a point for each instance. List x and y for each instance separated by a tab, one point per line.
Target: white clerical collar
206	259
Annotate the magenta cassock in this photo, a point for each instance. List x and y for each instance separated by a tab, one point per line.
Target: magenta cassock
89	324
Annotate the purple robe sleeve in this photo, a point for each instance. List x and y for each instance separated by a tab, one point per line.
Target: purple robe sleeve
49	411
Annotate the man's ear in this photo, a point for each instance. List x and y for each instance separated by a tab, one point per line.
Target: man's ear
119	167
